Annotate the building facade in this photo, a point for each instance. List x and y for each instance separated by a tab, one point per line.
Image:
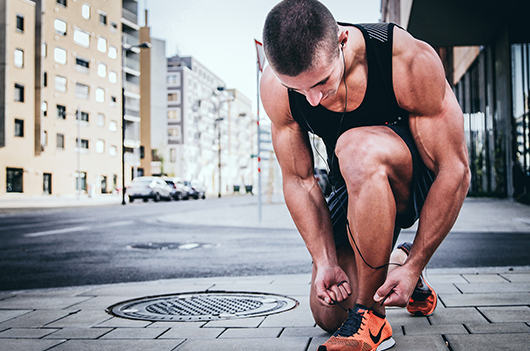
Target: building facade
60	105
485	49
211	130
153	104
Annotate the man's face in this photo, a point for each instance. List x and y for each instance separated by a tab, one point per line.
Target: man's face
319	83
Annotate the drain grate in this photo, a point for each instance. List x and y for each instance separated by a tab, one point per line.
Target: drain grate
202	306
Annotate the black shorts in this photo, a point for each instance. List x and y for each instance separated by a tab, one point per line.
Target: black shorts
422	178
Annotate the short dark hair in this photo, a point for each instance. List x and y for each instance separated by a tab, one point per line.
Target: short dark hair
295	32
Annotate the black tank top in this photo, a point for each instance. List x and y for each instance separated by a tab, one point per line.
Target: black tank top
379	105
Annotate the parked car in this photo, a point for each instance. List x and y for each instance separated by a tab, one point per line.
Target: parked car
197	190
321	176
179	191
146	188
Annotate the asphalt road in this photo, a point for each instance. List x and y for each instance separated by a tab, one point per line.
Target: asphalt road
113	243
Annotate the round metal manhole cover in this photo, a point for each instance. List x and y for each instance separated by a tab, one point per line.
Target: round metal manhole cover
202	306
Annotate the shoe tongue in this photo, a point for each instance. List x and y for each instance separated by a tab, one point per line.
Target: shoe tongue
360	308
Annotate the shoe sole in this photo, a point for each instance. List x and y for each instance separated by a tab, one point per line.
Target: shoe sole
386	344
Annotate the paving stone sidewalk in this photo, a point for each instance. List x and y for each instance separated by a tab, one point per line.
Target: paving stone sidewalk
479	310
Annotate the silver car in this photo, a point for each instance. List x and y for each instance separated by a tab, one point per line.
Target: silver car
146	188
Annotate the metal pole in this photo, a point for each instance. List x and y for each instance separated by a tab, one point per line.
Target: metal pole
78	118
123	53
219	146
122	141
259	150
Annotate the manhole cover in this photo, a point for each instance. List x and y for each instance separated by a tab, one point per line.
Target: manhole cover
202	306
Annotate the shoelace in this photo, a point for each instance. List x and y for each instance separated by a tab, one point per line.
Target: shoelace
351	325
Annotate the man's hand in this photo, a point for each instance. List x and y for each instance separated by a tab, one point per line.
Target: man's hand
332	284
397	288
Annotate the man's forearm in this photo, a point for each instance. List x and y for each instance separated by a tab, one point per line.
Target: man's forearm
438	216
310	214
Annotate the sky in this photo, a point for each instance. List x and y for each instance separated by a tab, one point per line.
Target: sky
220	33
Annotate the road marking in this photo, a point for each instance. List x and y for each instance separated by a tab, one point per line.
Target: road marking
75	229
57	231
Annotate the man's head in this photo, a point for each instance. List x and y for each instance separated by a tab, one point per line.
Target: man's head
296	32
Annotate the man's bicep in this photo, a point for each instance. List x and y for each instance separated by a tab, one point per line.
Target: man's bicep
292	150
440	137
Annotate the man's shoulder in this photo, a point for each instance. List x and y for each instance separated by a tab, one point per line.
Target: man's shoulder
274	97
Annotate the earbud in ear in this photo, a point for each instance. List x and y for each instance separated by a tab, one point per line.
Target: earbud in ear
342	46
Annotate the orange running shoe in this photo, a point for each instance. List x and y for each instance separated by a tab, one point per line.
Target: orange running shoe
363	330
424	299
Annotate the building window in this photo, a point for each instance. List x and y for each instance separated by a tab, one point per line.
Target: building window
61	112
81	115
113	150
85	11
102	70
100	146
172	155
20	23
60	26
44	141
19	127
81	38
113	52
14	180
103	18
104	184
101	120
18	59
82	65
113	126
47	183
174	133
19	92
113	99
83	143
174	115
60	141
44	50
102	44
113	77
80	181
45	79
174	97
100	95
174	79
82	91
60	84
61	2
59	55
44	108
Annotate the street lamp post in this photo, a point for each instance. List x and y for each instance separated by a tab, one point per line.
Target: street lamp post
218	121
125	48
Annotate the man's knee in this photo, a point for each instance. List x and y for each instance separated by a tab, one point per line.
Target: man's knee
361	155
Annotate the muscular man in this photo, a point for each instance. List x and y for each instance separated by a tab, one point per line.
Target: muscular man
394	136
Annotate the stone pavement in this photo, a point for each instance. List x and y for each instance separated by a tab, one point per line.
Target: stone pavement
480	308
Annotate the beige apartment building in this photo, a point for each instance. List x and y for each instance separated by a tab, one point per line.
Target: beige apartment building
60	103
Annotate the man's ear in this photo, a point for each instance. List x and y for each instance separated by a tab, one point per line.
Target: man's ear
343	38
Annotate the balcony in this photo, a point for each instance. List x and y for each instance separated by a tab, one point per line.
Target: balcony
131	40
129	15
133	64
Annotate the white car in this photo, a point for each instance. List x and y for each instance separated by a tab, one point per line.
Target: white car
146	188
